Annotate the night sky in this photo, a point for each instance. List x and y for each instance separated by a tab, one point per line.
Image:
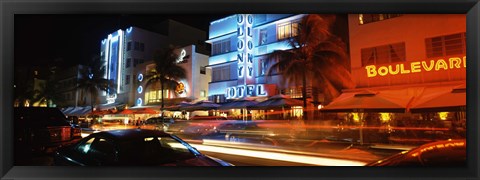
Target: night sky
40	39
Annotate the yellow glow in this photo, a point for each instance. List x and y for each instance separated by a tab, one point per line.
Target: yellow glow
415	67
443	115
385	116
320	106
356	117
313	160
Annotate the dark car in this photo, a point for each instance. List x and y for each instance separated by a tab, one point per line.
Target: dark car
440	153
41	130
157	123
133	147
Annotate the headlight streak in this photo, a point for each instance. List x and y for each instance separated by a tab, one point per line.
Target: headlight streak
319	161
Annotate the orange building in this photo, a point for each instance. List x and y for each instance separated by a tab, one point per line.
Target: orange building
410	73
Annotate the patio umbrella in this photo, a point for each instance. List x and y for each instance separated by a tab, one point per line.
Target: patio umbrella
278	101
67	110
178	107
369	101
238	104
452	99
201	106
145	111
127	111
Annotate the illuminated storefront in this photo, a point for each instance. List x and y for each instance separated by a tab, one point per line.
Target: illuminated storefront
419	64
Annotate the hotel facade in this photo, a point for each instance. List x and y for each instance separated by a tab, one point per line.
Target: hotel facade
128	55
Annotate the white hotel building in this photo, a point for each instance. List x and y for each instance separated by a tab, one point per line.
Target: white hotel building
129	53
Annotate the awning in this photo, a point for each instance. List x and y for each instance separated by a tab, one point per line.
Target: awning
370	101
109	106
278	101
441	99
77	111
201	106
239	104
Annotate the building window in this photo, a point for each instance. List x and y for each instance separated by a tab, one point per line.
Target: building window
129	46
261	67
142	47
447	45
221	47
127	79
287	30
221	73
203	93
262	37
137	46
369	18
129	61
383	54
203	70
135	62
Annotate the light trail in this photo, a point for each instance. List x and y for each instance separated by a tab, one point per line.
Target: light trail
319	161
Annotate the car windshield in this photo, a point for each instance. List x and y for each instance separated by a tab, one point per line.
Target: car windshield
155	150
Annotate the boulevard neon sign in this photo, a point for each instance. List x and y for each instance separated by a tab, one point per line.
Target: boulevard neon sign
416	67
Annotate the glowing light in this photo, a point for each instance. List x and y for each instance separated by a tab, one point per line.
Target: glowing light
319	106
416	67
313	160
443	115
140	89
140	77
139	102
129	29
385	116
180	59
356	117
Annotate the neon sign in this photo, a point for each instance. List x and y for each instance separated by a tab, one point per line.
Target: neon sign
182	56
416	67
245	90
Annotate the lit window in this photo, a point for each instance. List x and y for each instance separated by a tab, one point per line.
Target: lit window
287	30
370	18
203	93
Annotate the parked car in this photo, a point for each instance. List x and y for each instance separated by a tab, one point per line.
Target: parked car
133	147
440	153
158	123
242	131
41	130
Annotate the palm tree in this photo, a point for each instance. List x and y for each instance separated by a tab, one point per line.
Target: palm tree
317	55
92	80
166	72
48	94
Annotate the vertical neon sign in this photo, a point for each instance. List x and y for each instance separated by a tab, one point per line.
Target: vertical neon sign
244	53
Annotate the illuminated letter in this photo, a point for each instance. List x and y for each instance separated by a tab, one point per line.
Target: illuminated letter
240	58
250	71
455	62
249	58
239	31
464	61
240	69
402	69
441	64
240	44
260	90
415	67
240	90
371	71
428	68
249	31
231	92
397	69
250	89
382	71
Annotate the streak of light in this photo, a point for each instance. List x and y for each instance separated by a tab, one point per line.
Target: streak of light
319	161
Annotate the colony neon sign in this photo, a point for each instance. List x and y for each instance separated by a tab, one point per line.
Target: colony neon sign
245	90
416	67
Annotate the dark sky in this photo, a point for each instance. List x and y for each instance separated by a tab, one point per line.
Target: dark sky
39	39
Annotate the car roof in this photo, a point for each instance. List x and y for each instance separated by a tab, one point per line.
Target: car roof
130	134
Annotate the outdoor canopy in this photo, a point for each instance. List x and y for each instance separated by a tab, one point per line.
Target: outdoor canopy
446	99
239	104
278	101
201	106
178	107
370	101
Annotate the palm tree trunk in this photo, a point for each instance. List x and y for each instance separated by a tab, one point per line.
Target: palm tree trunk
304	96
161	96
